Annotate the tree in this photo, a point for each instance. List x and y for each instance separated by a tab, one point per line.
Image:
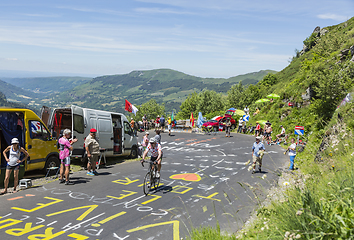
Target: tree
151	109
189	105
269	80
234	95
210	101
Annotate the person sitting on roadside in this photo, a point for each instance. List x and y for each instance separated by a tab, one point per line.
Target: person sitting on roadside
65	146
281	135
156	154
256	112
246	110
13	162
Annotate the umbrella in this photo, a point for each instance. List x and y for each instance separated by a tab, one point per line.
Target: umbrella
262	100
273	95
231	111
239	112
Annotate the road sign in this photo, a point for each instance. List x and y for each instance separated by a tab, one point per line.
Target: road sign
299	130
246	118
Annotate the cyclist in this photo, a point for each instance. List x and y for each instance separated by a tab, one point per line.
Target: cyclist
156	154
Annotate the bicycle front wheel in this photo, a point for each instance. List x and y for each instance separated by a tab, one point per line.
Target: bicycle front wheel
147	183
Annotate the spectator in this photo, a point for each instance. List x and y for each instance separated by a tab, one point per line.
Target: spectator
281	135
227	127
257	154
162	123
157	122
93	150
268	133
256	112
145	122
292	153
13	162
64	155
158	137
246	110
169	121
145	142
240	122
258	129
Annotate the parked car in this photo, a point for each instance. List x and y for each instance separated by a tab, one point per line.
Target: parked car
218	121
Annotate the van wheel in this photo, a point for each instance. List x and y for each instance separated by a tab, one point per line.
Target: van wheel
51	162
134	152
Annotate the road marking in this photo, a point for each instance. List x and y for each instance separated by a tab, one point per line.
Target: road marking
217	162
108	219
15	198
175	224
82	216
41	205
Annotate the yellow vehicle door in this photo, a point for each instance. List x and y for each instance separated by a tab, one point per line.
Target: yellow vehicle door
39	144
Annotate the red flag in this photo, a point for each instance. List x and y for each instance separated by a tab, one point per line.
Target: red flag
130	107
192	120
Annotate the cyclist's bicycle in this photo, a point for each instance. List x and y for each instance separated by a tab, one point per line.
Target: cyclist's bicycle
150	180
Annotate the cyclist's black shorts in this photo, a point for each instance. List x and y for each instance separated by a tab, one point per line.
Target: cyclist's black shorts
153	159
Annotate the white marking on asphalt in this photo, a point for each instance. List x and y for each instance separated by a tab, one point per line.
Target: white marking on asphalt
241	163
217	162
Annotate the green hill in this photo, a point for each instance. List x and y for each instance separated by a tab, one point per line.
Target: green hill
19	95
166	86
47	85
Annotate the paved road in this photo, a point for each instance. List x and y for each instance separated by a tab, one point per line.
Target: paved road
204	180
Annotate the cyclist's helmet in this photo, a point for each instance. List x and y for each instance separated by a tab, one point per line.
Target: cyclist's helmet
152	140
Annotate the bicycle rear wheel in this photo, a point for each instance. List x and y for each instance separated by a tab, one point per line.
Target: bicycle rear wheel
147	183
156	181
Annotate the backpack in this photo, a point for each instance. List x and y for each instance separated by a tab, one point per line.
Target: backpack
162	120
60	136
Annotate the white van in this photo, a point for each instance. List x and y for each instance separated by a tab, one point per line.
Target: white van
113	129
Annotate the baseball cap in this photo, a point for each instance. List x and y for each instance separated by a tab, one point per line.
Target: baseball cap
93	130
259	138
152	140
14	140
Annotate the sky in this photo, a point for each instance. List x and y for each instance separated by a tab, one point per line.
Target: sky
205	38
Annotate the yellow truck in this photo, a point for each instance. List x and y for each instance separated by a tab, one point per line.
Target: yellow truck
33	135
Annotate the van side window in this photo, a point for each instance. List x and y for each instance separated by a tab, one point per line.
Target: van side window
127	128
79	124
38	131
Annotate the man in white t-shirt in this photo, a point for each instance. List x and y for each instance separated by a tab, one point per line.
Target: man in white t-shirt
292	153
246	110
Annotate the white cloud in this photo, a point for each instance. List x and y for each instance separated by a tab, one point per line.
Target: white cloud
11	59
333	17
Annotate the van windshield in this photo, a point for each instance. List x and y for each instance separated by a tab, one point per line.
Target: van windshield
79	124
